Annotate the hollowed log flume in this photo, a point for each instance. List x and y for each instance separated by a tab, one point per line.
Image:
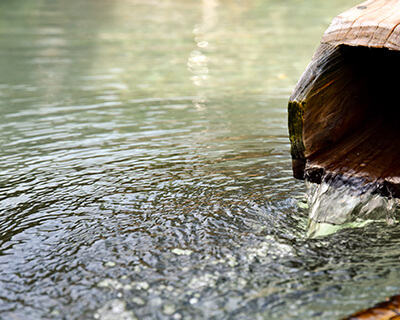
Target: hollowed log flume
344	113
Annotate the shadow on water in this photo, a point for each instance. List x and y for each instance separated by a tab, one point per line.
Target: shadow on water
145	169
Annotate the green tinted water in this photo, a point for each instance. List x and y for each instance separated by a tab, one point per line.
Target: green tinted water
145	168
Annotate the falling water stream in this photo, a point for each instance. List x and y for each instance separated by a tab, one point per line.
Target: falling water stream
332	208
146	172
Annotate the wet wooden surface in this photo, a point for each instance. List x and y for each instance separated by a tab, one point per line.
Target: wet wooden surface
344	113
387	310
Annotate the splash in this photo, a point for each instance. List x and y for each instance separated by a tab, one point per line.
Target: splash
334	207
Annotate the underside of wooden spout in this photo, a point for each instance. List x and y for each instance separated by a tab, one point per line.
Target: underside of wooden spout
344	119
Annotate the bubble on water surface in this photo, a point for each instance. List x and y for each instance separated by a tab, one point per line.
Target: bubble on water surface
114	310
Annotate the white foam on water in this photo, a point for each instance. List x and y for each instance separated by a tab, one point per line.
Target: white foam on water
332	208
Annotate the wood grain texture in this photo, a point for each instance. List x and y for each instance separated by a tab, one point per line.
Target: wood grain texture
387	310
344	112
372	24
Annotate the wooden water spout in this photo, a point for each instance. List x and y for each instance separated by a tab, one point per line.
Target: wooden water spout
387	310
344	113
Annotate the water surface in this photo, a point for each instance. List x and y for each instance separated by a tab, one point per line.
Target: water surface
145	168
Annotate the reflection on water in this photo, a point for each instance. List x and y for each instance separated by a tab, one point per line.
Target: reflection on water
145	168
198	60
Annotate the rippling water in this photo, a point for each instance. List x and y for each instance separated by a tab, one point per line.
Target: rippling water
145	168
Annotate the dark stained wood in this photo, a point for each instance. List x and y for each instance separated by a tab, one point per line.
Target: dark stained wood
344	113
388	310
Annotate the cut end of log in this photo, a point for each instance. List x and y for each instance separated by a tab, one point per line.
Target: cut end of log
344	113
344	118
